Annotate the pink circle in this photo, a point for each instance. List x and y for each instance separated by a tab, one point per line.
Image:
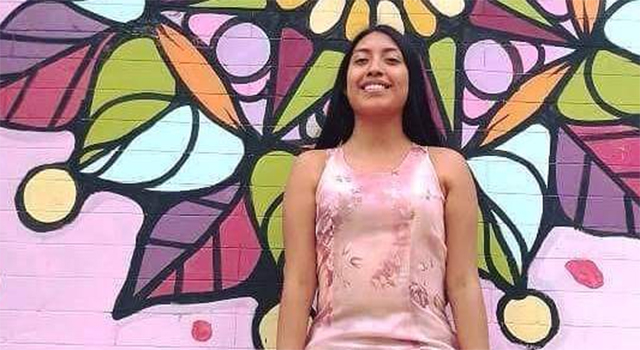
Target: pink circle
243	49
488	67
473	106
554	7
528	54
205	25
201	330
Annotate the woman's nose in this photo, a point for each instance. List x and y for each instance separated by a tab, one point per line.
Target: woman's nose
374	68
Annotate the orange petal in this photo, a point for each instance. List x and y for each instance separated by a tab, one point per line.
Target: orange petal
524	102
586	13
198	75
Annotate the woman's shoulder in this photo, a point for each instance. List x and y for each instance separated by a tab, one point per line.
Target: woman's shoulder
311	163
449	165
446	157
313	157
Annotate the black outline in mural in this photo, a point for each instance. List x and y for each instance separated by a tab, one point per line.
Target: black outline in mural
273	21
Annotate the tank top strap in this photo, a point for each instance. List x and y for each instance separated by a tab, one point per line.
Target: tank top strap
432	176
333	159
332	167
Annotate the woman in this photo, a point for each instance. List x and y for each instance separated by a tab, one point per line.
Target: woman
365	216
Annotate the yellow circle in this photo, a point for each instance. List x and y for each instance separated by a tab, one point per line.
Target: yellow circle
49	196
528	319
269	328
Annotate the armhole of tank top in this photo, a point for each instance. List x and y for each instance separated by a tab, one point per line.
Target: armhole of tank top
434	174
321	180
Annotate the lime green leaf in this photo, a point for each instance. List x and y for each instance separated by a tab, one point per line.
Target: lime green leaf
120	120
274	233
523	7
133	86
318	80
483	255
576	102
498	255
267	185
617	81
134	67
442	57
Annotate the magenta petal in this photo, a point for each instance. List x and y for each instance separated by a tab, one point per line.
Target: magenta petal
198	246
597	178
487	15
51	96
295	51
49	20
27	36
24	55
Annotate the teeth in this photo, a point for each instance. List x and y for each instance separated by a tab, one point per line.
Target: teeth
374	87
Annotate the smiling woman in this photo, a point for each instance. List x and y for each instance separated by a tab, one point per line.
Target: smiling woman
384	218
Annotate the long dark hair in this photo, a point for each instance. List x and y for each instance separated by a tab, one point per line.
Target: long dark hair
417	124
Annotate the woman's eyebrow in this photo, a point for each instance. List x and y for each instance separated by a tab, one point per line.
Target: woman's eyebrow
385	50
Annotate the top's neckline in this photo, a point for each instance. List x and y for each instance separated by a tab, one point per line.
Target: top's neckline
395	171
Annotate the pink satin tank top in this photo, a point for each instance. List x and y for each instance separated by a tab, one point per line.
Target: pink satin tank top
380	244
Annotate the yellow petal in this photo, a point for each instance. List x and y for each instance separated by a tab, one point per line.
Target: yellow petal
325	14
449	8
389	14
290	4
358	18
423	20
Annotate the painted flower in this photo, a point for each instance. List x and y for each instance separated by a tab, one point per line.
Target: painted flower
154	121
423	15
192	111
569	65
514	77
173	110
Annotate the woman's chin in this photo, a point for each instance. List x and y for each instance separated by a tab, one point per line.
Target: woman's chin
377	111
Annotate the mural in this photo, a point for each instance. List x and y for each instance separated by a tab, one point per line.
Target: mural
145	146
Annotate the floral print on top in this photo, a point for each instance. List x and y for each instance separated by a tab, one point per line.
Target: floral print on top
380	243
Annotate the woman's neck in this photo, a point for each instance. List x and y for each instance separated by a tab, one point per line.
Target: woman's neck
375	133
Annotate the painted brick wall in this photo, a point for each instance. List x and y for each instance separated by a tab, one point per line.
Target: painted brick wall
145	146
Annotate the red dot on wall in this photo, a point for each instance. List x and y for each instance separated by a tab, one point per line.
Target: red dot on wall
201	330
585	272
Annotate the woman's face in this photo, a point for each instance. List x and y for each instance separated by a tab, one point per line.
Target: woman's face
377	77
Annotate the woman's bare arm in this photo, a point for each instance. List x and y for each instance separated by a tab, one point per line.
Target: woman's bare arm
300	278
462	281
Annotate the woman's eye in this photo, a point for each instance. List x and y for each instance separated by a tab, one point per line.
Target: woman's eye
360	61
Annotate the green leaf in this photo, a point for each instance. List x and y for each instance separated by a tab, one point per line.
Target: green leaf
575	101
617	81
122	119
274	233
267	185
133	86
134	67
493	257
442	57
482	255
523	7
499	257
318	80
